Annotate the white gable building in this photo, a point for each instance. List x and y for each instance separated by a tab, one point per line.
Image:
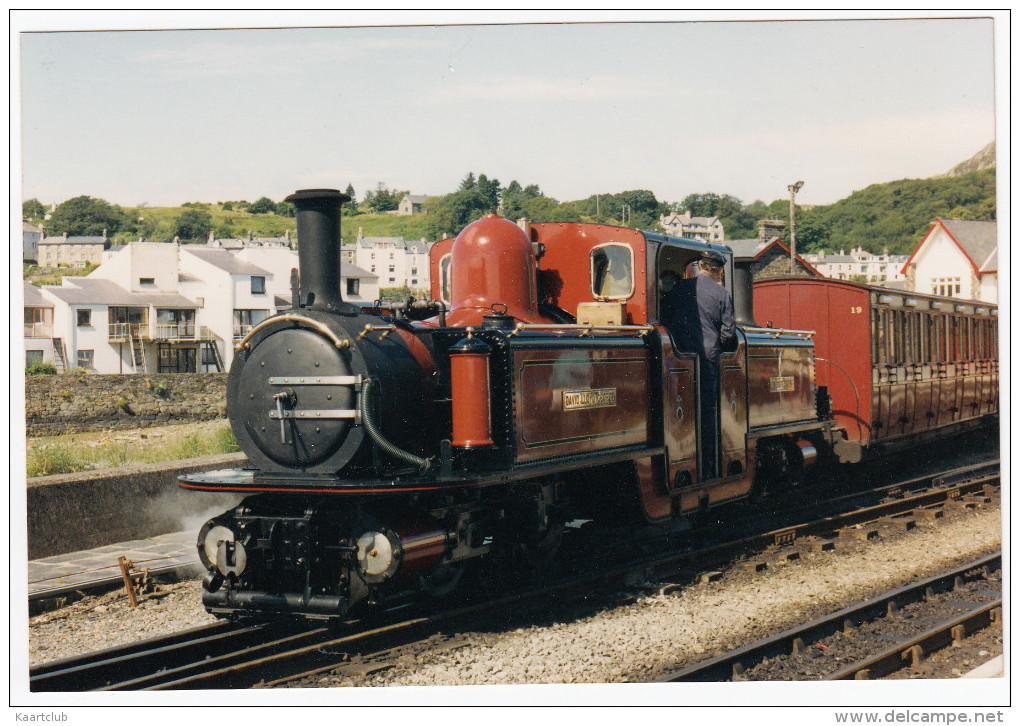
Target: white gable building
956	258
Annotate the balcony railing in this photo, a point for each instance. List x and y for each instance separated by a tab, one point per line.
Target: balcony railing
123	331
175	331
38	330
241	330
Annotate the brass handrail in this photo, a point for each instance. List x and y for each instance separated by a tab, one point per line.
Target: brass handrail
292	318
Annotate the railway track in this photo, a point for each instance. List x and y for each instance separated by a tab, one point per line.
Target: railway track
231	656
820	639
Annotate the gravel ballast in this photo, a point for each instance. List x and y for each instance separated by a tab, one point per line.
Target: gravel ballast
635	642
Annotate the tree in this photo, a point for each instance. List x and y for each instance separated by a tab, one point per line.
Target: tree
489	191
33	211
192	224
352	206
383	199
451	213
262	205
85	216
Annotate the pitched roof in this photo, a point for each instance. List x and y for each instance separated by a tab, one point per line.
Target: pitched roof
96	291
347	270
752	249
90	240
978	240
225	261
745	247
34	298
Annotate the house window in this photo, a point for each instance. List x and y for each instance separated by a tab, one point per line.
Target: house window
353	286
38	322
208	356
146	280
392	268
33	356
84	317
258	285
86	358
245	320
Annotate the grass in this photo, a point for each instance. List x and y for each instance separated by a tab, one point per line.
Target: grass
101	450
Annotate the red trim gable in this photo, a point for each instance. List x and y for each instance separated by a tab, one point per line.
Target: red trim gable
776	241
920	244
939	223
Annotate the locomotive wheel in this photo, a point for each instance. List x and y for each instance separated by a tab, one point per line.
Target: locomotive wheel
535	526
443	580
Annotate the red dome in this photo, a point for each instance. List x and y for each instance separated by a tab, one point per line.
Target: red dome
492	262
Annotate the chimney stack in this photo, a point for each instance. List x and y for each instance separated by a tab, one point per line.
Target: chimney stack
318	231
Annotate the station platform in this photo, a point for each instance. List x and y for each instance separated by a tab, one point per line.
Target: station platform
61	575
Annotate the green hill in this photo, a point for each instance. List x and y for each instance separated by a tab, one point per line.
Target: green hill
895	215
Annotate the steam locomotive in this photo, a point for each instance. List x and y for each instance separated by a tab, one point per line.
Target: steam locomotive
389	450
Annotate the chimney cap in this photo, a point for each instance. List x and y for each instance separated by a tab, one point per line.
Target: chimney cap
302	194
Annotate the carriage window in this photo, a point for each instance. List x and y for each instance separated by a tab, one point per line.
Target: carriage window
875	336
612	272
444	278
900	337
922	338
880	335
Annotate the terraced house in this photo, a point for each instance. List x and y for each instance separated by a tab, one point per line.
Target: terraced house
163	307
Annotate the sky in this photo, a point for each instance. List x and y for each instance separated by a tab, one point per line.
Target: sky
163	117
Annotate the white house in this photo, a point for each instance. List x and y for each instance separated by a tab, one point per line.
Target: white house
956	258
71	251
358	286
30	236
38	326
166	308
709	229
233	295
101	327
397	262
412	204
883	269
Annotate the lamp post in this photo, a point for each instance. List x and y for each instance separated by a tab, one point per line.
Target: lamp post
794	188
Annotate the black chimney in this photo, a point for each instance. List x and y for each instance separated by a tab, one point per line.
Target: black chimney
318	232
743	293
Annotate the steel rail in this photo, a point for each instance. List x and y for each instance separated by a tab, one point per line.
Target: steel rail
220	664
911	652
286	667
734	663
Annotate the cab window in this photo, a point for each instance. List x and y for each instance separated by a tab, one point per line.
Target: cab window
444	278
612	272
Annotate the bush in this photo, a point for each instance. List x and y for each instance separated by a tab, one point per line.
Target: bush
40	368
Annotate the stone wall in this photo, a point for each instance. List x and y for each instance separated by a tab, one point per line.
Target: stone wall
71	512
70	403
